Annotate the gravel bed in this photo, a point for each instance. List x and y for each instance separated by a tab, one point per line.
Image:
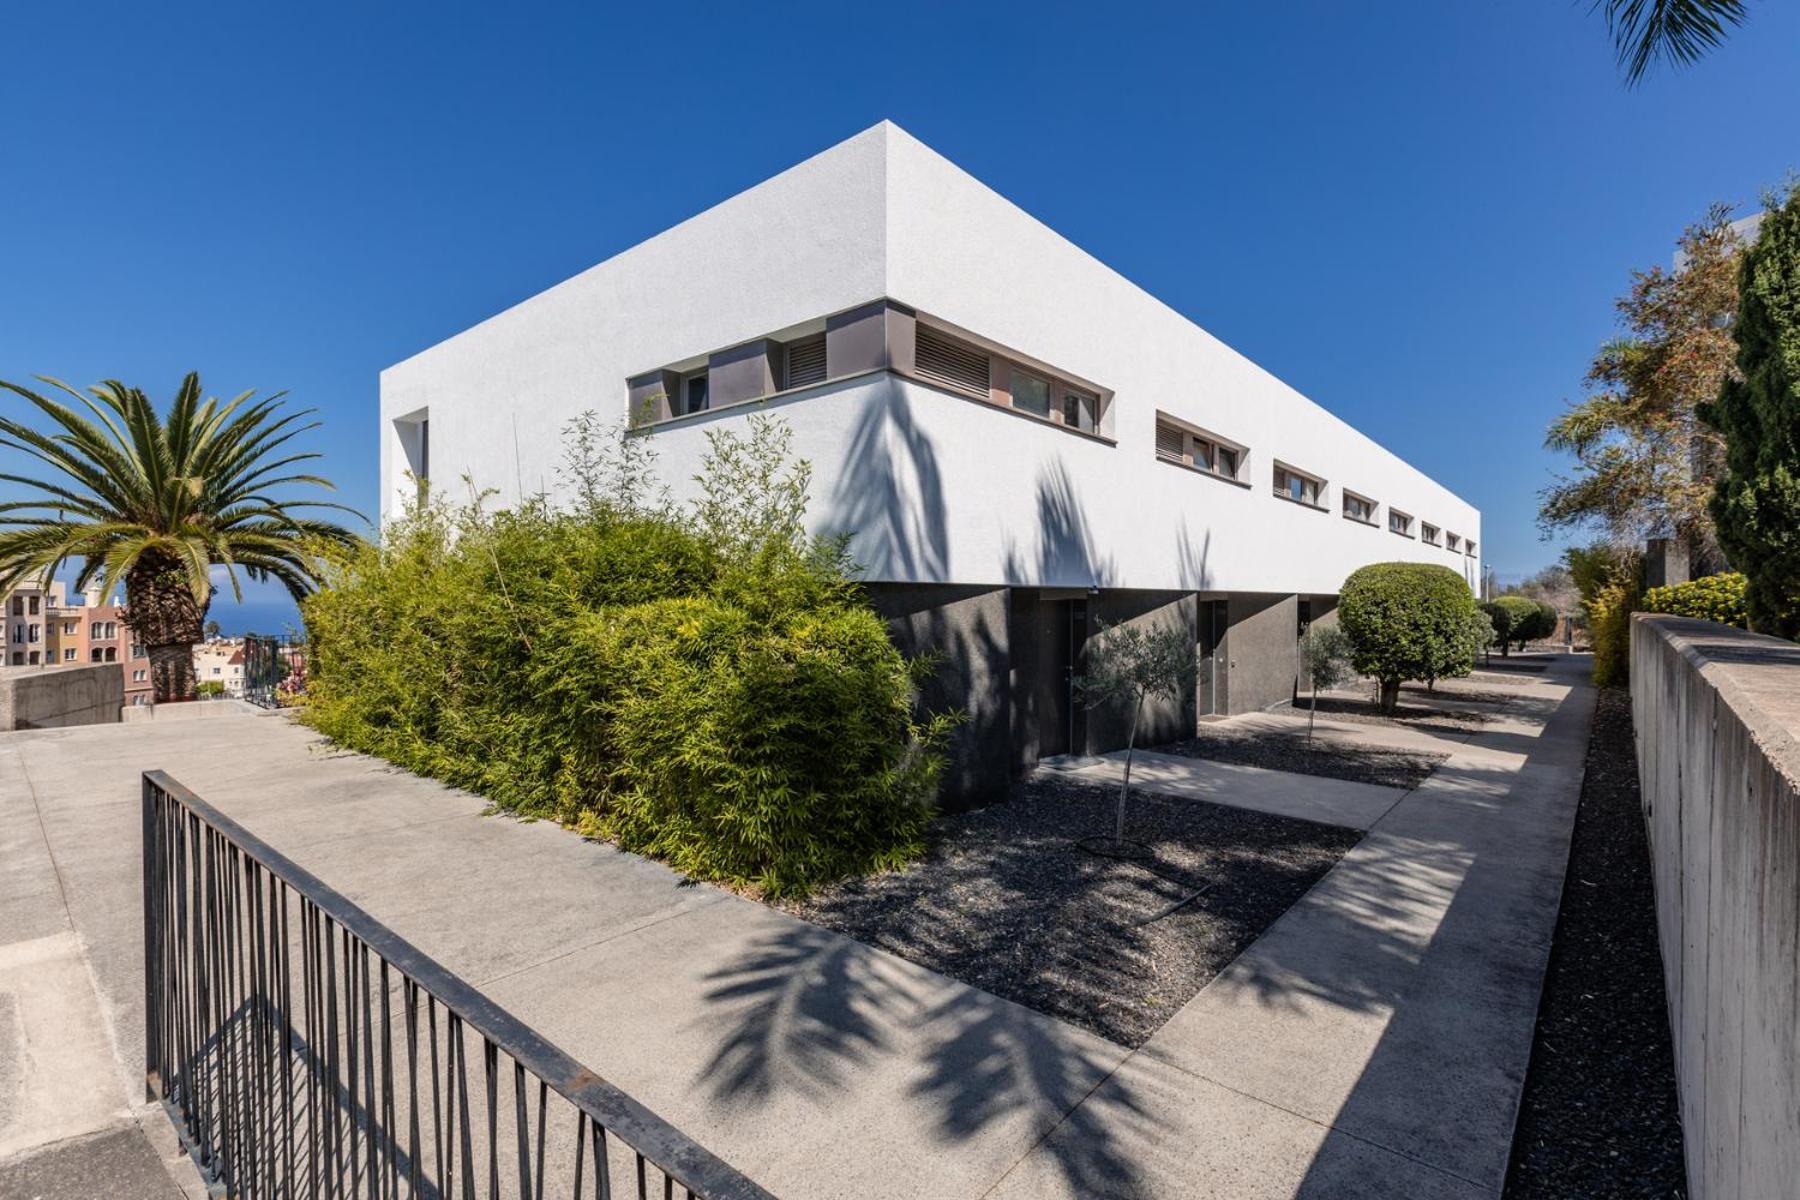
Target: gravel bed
1507	664
1005	901
1599	1114
1449	721
1459	691
1290	752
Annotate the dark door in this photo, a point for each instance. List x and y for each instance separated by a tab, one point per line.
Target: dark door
1075	624
1212	639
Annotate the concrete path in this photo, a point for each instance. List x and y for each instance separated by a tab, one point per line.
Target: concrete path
72	1120
817	1065
1372	1043
1282	793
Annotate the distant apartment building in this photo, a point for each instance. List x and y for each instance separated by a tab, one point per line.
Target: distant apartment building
31	637
1021	444
221	662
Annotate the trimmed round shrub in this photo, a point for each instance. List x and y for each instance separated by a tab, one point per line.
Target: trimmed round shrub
1720	598
1515	618
1407	621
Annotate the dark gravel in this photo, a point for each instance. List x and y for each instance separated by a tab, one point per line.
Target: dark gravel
1599	1114
1290	752
1443	720
1005	901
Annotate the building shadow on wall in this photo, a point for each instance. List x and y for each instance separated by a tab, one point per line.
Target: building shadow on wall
889	495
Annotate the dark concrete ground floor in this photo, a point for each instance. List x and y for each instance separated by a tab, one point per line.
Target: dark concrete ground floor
1007	659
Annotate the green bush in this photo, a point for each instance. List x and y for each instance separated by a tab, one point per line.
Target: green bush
209	687
1519	619
731	706
1609	620
1407	621
1720	598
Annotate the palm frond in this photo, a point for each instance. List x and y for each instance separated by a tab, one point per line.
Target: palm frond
1676	31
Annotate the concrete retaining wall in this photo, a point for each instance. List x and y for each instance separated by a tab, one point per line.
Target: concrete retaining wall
1717	713
52	697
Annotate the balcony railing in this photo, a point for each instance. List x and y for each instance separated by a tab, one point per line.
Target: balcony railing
302	1048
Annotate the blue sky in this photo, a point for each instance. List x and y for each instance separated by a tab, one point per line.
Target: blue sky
1416	212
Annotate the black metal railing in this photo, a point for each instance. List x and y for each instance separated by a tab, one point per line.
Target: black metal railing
302	1048
265	666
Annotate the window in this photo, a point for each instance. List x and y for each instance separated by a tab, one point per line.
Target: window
137	651
1452	543
139	675
33	602
1359	509
69	654
1469	548
33	633
112	655
18	606
34	658
94	655
805	362
1400	522
693	394
1030	393
1080	410
1429	533
112	630
1302	489
94	630
18	659
70	627
950	363
1194	449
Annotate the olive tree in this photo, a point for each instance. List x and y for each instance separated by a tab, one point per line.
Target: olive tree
1407	621
1324	662
1131	666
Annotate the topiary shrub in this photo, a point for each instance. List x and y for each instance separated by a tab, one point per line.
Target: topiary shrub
1407	621
1515	618
1721	598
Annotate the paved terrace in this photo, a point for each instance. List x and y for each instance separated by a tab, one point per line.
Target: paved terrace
1372	1043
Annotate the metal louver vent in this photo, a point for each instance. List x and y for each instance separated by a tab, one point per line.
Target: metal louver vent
1168	442
952	364
805	362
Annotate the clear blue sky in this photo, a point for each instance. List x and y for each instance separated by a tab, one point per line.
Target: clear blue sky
1416	212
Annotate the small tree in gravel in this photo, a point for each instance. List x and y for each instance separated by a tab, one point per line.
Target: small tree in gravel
1133	665
1325	662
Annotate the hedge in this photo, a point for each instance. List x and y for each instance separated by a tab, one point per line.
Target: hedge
1721	598
732	707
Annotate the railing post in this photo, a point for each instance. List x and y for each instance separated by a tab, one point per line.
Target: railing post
152	951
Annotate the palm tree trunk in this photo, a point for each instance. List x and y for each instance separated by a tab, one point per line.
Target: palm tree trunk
172	672
166	619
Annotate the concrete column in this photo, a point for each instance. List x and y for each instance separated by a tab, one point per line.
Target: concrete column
967	629
1665	562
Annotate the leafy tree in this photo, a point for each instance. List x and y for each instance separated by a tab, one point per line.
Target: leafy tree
1644	462
1594	566
1505	613
1757	500
1675	31
1324	663
213	629
1133	665
1406	621
155	501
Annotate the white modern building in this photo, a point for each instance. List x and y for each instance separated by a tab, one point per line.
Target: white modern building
1021	442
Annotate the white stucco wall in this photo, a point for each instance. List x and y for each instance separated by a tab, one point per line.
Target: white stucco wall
935	487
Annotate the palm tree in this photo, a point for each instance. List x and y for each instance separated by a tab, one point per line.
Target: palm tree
1679	31
156	502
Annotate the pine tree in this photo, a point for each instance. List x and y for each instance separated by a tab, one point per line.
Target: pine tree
1756	503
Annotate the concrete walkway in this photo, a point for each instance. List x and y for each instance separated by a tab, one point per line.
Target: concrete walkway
1372	1043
